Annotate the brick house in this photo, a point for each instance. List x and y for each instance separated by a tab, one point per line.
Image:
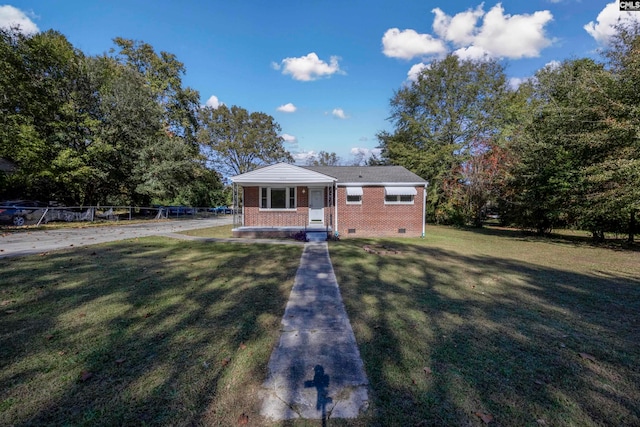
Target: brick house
352	201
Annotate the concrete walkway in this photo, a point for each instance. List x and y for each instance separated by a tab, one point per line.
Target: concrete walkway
316	371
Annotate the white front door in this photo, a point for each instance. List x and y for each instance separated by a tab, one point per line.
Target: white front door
316	205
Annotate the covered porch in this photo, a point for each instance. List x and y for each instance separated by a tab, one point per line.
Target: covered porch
311	233
282	201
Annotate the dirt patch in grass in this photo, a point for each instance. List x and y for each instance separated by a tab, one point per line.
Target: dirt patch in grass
467	325
153	331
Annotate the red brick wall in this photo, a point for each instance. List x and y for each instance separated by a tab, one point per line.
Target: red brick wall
374	218
254	217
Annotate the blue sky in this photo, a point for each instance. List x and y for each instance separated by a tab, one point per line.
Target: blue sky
326	70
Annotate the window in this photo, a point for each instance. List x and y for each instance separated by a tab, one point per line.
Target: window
354	195
399	199
399	195
278	197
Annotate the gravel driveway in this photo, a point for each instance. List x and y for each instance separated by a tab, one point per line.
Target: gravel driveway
33	242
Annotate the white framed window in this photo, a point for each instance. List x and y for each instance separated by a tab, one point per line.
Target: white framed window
278	198
354	195
399	195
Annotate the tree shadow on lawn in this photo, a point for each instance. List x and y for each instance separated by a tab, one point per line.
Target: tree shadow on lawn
147	332
447	338
619	244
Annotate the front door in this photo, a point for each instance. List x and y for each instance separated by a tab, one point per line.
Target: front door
316	205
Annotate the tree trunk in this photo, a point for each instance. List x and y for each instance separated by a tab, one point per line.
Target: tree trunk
632	225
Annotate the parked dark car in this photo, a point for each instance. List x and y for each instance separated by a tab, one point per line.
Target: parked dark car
18	212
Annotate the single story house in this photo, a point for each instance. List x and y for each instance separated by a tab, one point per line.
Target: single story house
348	201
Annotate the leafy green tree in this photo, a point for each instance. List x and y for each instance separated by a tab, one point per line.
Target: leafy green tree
438	117
237	141
619	177
163	74
47	116
86	130
324	158
576	157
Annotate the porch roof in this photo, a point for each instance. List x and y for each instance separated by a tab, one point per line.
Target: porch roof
283	173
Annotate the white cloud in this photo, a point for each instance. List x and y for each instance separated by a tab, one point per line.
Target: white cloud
552	64
608	18
513	36
303	156
415	71
459	29
12	17
289	138
366	151
309	67
515	82
472	53
339	113
407	44
213	102
287	108
474	35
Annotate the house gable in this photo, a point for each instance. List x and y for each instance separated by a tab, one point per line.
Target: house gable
284	174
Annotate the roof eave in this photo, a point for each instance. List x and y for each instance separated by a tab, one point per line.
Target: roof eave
274	183
382	184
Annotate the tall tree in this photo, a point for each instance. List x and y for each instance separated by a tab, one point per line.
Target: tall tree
324	158
623	174
238	141
84	130
48	115
163	73
438	117
576	159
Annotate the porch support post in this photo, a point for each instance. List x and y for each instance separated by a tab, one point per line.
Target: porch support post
236	207
424	208
335	206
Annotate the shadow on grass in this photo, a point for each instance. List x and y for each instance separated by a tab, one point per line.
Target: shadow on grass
147	332
555	237
447	338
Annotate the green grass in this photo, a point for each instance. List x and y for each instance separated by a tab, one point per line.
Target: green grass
530	331
146	332
221	231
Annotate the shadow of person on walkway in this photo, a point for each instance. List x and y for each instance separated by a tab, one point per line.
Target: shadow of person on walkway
321	383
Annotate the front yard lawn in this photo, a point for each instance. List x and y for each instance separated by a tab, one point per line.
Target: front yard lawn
460	328
470	327
142	332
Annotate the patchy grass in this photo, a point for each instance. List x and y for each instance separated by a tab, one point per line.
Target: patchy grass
222	232
490	323
147	332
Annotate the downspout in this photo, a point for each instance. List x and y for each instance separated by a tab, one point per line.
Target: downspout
424	208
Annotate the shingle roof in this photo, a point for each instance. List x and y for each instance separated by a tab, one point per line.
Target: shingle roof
368	174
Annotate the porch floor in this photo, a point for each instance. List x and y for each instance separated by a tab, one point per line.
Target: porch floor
314	230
